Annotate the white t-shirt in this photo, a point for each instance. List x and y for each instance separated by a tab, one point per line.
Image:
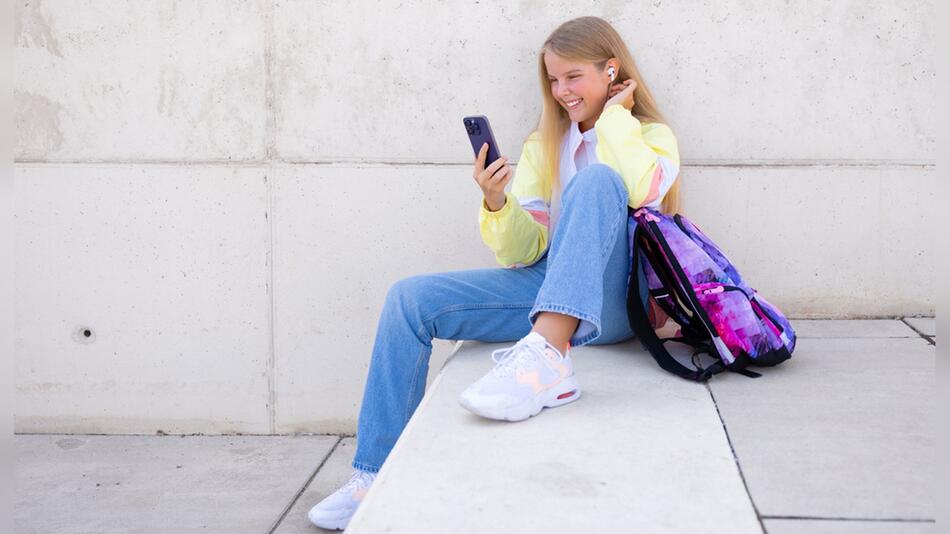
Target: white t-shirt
583	147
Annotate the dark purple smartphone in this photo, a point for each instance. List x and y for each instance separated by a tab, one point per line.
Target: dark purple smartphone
479	132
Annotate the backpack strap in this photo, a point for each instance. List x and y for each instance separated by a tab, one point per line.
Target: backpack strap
746	372
637	295
719	366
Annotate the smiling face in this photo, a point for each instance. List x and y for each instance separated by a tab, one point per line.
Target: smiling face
572	81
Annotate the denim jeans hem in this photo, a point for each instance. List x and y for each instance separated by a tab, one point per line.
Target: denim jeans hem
566	310
364	467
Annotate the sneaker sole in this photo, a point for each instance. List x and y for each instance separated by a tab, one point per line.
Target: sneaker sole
337	521
565	392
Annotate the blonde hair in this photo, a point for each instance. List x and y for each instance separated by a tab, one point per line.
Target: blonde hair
592	40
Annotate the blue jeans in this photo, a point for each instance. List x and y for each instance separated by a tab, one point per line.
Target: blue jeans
584	274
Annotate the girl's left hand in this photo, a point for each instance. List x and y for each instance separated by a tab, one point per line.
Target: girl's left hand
621	93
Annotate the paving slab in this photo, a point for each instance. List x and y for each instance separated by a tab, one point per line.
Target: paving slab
333	474
845	429
867	328
812	526
120	484
641	451
925	325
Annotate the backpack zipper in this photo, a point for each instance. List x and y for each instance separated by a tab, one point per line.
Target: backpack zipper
719	288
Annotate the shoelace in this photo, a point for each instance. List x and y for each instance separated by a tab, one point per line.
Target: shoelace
513	357
359	478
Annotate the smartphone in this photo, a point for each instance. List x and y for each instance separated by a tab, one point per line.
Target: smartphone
479	132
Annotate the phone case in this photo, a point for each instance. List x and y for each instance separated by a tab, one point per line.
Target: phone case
479	132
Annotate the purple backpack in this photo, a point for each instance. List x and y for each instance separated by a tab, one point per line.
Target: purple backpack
682	289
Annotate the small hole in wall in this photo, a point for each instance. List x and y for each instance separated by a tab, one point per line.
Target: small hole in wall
84	334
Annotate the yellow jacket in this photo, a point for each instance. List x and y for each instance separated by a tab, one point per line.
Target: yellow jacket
644	154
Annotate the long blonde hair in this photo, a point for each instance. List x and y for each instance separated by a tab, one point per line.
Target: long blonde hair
592	40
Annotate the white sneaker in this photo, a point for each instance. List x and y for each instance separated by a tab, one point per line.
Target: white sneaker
527	377
335	511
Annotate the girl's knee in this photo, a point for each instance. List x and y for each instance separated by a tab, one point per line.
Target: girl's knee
413	294
407	288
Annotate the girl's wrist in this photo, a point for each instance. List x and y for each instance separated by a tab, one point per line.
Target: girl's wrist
496	205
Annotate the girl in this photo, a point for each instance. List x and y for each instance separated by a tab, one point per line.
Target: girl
600	148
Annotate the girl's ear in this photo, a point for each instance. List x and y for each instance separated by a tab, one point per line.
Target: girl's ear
613	69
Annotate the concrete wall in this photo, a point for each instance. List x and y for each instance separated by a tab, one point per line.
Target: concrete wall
213	197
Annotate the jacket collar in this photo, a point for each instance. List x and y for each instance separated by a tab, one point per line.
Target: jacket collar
572	142
574	137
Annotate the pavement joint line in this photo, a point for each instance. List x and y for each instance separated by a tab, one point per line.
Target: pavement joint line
304	487
876	519
927	338
735	458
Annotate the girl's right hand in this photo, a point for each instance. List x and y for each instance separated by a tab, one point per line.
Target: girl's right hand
493	179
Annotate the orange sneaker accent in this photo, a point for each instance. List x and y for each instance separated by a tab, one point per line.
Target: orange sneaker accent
533	378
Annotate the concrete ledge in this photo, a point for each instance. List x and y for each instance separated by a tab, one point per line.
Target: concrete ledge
640	451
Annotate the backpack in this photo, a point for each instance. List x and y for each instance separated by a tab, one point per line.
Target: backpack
681	288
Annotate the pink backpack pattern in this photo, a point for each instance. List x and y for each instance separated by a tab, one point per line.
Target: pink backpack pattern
683	289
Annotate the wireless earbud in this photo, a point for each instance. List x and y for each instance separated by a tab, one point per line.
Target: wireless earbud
611	72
